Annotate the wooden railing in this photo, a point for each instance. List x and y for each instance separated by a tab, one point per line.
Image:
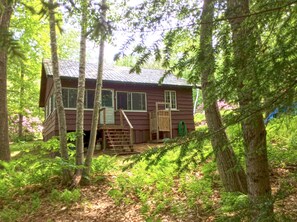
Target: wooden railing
122	117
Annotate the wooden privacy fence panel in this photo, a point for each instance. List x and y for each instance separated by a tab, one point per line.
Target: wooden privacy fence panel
160	121
164	120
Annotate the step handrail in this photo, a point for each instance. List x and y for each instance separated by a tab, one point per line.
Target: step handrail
123	114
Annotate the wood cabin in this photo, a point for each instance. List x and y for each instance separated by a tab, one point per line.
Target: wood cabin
136	108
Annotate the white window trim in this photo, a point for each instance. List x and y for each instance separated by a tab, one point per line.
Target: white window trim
170	91
131	110
48	106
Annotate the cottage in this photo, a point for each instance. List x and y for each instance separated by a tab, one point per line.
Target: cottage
135	103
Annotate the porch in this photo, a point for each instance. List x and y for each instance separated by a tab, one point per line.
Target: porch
119	139
116	139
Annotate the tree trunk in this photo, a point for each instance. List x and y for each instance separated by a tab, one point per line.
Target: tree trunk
97	102
254	133
231	173
20	130
58	93
5	16
80	96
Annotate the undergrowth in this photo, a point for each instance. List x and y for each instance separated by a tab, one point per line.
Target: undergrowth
161	188
282	140
35	173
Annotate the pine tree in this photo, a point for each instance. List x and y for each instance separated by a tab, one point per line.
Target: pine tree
231	173
254	133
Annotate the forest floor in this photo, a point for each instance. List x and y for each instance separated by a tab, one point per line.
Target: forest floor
95	203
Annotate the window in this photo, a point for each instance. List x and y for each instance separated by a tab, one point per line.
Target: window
107	97
69	97
46	110
170	97
52	103
50	106
131	101
89	99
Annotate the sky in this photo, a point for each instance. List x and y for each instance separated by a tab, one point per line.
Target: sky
110	50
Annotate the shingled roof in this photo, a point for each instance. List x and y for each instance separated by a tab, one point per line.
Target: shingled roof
69	69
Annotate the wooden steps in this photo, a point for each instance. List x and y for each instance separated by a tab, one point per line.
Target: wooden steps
117	141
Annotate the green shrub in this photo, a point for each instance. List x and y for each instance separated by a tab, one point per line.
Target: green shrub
14	210
163	188
103	164
197	190
9	214
282	142
66	196
234	207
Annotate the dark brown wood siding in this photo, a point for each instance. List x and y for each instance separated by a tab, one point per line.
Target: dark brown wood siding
49	126
139	120
49	89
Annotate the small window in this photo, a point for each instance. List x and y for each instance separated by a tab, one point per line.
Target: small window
170	97
72	96
89	99
122	101
69	97
65	97
107	98
46	110
53	104
50	106
138	101
131	101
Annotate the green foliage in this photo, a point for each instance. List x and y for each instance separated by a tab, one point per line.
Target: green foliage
32	170
160	188
282	143
153	187
103	164
53	144
234	207
66	196
13	211
34	164
197	189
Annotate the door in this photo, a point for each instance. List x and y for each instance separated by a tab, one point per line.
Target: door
108	104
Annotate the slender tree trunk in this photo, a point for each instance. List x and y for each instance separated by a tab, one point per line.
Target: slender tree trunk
231	173
80	96
254	133
97	102
20	130
5	16
58	92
